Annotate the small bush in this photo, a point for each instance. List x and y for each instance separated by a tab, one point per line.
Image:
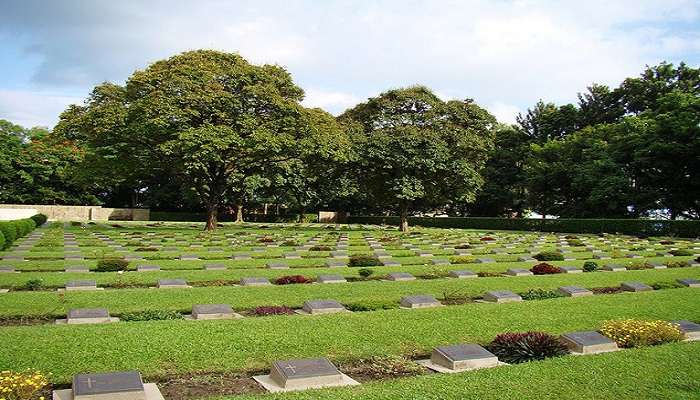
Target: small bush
514	348
9	232
463	246
666	285
540	294
461	259
25	385
39	219
272	310
371	305
549	256
290	243
2	241
146	249
575	243
677	264
387	239
320	248
681	252
666	242
151	315
266	239
292	279
635	266
568	237
488	274
364	261
590	266
487	239
76	223
365	272
33	284
379	367
635	332
545	269
111	265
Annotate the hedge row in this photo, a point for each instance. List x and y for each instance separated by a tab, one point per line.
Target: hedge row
201	217
623	226
15	229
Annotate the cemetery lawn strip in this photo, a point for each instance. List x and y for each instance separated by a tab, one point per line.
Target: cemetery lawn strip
160	348
42	304
662	372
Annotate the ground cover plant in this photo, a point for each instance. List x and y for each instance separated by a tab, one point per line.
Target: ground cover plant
635	333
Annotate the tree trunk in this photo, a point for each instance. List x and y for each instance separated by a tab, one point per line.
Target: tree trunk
301	214
265	209
403	226
212	211
239	213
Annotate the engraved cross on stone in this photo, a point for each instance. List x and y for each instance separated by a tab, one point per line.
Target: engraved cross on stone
89	382
291	368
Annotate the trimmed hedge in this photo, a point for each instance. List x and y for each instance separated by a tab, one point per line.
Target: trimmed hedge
645	227
15	229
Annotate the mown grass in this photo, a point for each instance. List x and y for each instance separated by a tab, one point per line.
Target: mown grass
128	300
662	372
160	347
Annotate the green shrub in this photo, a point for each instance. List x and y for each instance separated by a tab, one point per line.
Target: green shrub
151	315
549	256
364	261
290	243
365	272
461	259
590	266
33	284
320	248
575	243
371	305
2	241
9	232
540	294
381	367
639	266
635	332
677	264
489	274
681	252
76	223
514	348
111	265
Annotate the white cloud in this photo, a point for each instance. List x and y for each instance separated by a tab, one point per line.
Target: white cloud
505	54
504	113
29	108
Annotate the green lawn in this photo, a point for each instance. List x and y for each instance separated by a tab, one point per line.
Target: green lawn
662	372
126	300
159	347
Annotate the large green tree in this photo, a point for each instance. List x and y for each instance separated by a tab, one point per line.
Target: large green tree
416	152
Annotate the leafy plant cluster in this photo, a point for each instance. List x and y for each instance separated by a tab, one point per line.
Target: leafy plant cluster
520	347
545	269
636	333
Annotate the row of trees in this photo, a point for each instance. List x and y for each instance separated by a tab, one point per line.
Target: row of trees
206	129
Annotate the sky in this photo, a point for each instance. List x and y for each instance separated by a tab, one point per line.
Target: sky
506	55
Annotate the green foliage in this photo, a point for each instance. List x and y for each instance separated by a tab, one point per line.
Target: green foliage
151	315
39	219
636	333
549	256
590	266
33	284
545	269
111	265
9	232
515	348
681	252
666	285
364	261
365	272
371	305
540	294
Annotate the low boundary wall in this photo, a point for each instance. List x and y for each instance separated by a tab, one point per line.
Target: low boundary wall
79	213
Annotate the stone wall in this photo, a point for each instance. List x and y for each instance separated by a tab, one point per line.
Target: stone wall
339	217
73	213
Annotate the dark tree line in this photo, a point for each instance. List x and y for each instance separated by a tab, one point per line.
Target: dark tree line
206	130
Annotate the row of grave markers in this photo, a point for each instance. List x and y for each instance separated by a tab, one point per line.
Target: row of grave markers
315	373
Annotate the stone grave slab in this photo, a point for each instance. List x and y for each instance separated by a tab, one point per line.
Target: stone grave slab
689	282
87	316
613	268
73	257
214	267
463	252
526	258
331	279
133	258
109	386
277	265
422	253
254	281
463	274
382	254
574	291
484	260
460	357
291	255
588	342
336	264
189	257
242	256
83	284
314	307
76	269
390	263
419	301
518	272
7	269
501	296
147	268
567	269
440	261
400	276
173	284
689	328
599	256
213	311
314	373
635	287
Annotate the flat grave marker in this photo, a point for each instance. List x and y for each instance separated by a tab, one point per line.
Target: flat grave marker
689	282
214	267
570	270
460	357
400	276
440	261
109	386
173	284
336	264
147	268
588	342
331	279
213	311
303	374
689	328
463	274
518	272
87	316
501	296
419	301
613	268
314	307
82	284
277	265
390	263
635	287
255	281
574	291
